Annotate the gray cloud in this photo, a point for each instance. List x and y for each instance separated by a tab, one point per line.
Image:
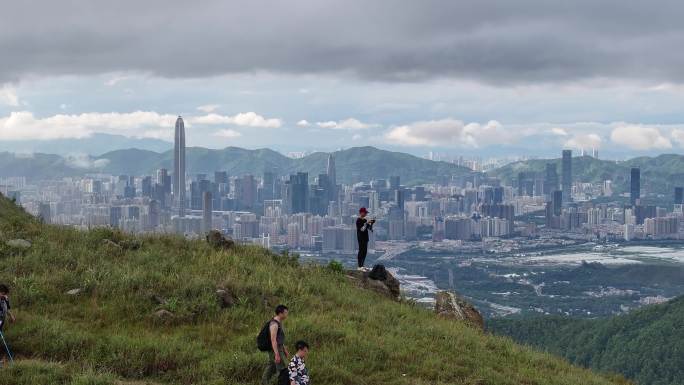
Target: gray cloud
525	41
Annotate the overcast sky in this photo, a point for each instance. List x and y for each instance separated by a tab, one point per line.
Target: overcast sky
484	77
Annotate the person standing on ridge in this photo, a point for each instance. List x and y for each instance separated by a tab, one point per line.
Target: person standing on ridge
363	226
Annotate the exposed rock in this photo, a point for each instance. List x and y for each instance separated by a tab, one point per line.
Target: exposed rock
218	241
75	291
158	299
163	314
111	244
453	306
226	298
379	280
379	273
19	243
130	244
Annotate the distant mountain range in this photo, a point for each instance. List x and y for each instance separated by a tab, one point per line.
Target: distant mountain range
353	165
659	174
646	345
95	144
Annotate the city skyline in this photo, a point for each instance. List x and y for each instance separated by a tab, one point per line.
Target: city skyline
531	215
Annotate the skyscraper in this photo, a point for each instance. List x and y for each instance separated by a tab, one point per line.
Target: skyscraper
634	185
678	195
248	192
550	179
164	180
498	194
206	211
332	178
394	182
566	166
557	200
147	186
268	186
299	192
220	177
179	166
154	212
399	198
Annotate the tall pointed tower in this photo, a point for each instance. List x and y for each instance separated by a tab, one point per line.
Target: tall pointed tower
179	166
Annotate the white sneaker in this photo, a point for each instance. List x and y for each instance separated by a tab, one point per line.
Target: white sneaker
360	269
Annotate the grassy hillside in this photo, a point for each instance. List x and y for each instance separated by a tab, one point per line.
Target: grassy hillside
646	345
659	174
353	165
109	334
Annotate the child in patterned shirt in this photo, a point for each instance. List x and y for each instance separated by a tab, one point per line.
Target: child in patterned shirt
299	375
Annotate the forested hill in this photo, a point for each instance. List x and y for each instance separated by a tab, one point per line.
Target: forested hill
659	174
353	164
646	345
102	307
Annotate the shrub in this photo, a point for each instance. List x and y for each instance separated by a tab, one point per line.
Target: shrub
336	266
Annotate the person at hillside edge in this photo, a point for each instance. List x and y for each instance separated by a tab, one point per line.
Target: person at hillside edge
277	356
363	226
298	373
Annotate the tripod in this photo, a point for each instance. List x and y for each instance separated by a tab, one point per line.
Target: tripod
4	342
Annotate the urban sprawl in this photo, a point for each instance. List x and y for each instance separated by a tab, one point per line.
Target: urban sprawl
465	213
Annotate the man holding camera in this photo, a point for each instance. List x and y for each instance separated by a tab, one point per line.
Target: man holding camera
363	226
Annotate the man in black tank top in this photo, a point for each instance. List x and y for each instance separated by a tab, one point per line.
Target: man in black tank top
278	355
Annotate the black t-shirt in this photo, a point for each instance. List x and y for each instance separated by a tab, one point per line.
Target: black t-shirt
362	227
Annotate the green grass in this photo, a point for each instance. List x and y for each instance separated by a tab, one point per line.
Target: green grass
109	335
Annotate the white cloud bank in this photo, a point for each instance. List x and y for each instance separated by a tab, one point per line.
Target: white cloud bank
227	133
207	108
452	133
586	141
247	119
639	137
23	125
85	161
559	131
346	124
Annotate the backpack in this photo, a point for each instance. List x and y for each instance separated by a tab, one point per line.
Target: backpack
378	273
263	340
3	308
